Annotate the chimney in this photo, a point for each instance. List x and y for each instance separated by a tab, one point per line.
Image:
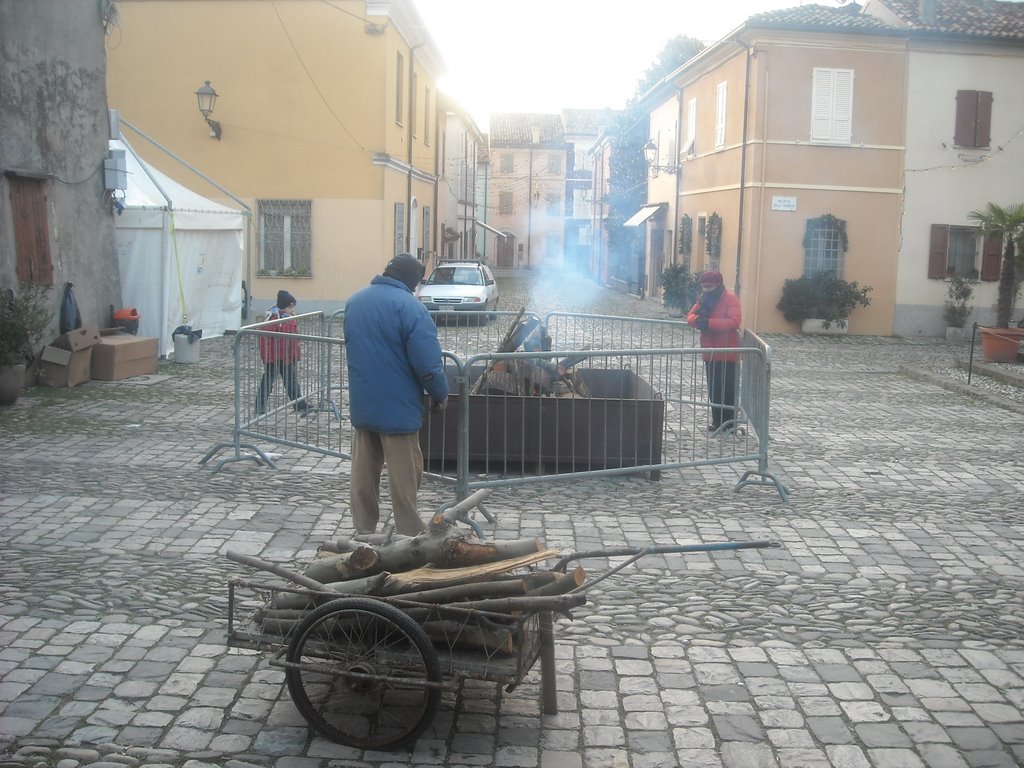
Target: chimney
926	11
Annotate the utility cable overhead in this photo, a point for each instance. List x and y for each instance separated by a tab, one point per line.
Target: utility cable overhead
312	82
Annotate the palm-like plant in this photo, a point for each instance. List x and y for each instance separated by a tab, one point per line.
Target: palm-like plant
1007	223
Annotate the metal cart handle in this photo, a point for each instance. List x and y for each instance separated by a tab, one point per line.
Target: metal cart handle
635	553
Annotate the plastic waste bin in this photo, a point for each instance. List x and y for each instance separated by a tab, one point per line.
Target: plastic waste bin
186	344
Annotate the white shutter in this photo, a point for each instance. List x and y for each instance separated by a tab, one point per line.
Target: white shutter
821	105
832	106
720	116
842	106
691	127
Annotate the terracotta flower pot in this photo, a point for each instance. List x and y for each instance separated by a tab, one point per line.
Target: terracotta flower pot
1000	345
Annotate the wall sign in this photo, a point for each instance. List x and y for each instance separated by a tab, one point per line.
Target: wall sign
780	203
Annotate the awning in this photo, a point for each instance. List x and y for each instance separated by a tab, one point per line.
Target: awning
643	215
489	228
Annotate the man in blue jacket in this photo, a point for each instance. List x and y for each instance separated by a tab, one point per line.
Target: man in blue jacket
393	358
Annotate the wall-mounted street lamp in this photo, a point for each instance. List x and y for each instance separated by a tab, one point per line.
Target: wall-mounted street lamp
651	156
207	98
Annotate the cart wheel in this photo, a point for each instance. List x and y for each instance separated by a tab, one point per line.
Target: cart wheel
363	674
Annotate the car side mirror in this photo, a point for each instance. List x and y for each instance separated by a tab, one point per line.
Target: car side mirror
489	281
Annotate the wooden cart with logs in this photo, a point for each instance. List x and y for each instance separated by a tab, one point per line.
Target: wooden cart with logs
376	629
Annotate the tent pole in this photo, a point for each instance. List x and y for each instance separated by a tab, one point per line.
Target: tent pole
208	180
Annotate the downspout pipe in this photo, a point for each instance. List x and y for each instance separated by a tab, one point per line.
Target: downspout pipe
743	165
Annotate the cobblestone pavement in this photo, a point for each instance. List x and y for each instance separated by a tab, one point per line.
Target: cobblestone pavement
886	631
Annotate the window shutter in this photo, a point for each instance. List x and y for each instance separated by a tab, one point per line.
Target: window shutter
720	116
983	123
691	126
821	105
842	107
937	251
31	231
966	117
991	257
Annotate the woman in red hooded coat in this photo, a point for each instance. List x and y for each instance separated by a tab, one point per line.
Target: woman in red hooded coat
718	317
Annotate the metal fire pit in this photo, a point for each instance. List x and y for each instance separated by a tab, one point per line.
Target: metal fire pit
619	425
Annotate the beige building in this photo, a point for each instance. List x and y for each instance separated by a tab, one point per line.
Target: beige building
843	139
526	189
326	127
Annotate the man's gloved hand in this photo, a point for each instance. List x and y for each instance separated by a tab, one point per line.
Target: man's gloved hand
701	324
438	405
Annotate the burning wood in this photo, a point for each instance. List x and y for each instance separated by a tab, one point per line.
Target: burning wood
533	378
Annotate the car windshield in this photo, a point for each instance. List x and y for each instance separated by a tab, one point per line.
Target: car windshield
455	276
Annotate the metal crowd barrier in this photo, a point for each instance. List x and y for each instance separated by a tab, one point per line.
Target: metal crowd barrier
302	406
645	412
641	407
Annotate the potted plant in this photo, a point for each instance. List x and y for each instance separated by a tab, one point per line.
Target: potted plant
678	289
956	310
1000	343
24	319
822	301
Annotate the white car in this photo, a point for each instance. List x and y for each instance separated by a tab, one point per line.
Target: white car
459	286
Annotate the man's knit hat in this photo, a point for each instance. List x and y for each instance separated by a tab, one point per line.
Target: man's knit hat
284	299
405	268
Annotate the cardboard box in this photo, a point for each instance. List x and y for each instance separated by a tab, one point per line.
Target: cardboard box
121	356
64	368
80	338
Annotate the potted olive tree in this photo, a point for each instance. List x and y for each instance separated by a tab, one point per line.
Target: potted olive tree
678	289
24	319
956	309
822	303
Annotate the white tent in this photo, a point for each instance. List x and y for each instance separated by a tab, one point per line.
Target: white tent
180	255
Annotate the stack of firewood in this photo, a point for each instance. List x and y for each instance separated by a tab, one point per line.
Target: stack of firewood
452	583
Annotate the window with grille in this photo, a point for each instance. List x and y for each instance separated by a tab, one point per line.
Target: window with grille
508	161
285	236
823	246
505	202
399	228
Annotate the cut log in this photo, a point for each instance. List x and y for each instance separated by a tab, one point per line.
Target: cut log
370	585
277	570
478	635
360	562
428	578
565	582
474	591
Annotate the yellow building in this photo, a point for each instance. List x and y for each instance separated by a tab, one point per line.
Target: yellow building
325	126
